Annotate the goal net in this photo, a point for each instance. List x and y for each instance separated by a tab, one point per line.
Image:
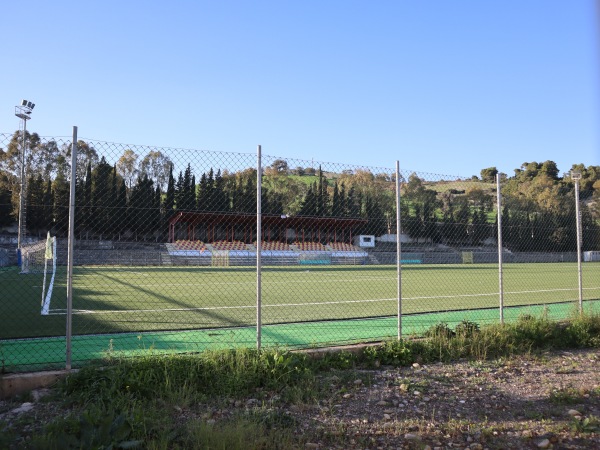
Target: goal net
40	257
220	258
33	258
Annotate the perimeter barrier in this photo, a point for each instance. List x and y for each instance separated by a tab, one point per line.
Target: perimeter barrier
175	250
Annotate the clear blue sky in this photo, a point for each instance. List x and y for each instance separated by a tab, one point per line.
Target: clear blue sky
447	87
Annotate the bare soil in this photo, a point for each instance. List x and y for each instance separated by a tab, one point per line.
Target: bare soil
545	401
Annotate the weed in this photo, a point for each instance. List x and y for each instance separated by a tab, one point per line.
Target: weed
396	353
589	424
90	431
123	402
567	396
440	330
467	328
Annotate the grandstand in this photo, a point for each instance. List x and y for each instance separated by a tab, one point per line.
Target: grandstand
229	227
237	253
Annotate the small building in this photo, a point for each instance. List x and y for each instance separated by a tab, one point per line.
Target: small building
364	241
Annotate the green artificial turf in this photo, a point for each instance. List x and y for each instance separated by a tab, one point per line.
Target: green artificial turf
148	307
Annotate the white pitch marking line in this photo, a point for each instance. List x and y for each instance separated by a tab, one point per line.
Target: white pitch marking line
132	271
343	302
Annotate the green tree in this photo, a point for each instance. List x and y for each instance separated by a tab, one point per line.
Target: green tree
156	166
169	202
121	208
84	217
203	196
142	208
101	201
336	203
61	205
550	169
219	200
48	205
35	203
322	195
127	167
5	205
280	166
309	204
489	175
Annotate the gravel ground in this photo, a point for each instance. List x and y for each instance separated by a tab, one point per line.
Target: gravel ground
546	401
523	402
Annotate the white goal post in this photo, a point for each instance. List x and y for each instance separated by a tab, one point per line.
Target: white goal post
40	257
33	257
593	255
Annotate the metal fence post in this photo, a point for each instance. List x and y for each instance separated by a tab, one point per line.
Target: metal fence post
500	262
258	246
398	250
70	239
576	176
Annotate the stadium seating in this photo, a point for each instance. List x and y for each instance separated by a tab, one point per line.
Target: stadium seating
226	245
189	245
310	246
274	246
342	247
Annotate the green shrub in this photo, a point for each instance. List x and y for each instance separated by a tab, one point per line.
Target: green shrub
467	328
440	330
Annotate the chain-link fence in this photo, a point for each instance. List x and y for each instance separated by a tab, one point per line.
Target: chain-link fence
177	250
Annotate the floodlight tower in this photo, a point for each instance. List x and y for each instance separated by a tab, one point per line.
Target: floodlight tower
23	112
576	176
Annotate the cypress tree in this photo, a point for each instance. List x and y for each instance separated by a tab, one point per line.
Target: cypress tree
61	204
343	208
336	208
186	196
169	203
201	198
156	215
309	204
248	204
101	197
192	194
86	200
48	202
219	200
114	193
5	204
35	202
121	209
179	193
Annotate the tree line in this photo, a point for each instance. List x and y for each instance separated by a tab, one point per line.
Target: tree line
134	197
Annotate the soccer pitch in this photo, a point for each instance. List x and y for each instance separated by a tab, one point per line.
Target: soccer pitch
109	300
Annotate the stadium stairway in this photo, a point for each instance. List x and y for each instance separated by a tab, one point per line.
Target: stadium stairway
373	259
165	258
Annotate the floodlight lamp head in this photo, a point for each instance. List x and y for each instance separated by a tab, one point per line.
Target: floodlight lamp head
575	176
23	102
